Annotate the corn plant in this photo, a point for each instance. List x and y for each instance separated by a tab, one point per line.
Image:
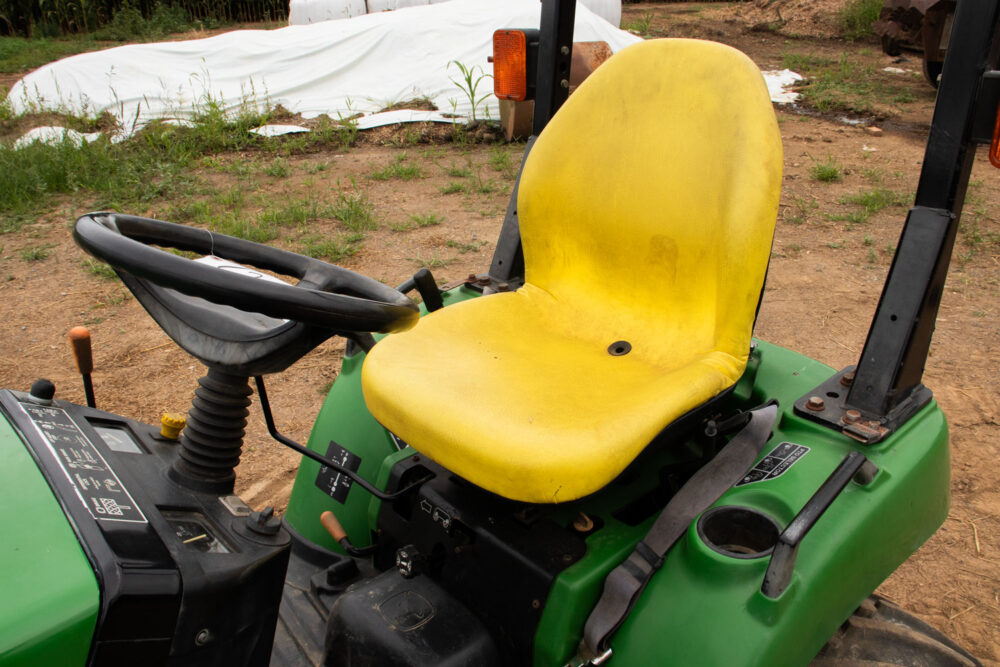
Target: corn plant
469	85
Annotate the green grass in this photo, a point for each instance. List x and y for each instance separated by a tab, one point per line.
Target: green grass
19	54
800	209
156	164
317	167
846	86
434	262
826	172
641	25
35	253
855	19
869	202
873	175
12	223
483	186
457	172
876	199
356	211
297	213
454	187
332	250
99	269
278	168
502	160
426	219
398	170
463	248
257	231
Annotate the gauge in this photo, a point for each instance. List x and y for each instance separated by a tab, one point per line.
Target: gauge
195	535
118	439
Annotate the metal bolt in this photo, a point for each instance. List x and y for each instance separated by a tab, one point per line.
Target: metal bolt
535	604
564	83
852	416
815	403
847	379
564	50
203	637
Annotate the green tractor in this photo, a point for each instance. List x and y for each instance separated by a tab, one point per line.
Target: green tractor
579	457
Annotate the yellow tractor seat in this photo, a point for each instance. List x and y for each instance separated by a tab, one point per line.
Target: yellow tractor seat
647	208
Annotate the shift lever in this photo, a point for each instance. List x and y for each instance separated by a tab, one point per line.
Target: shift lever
79	337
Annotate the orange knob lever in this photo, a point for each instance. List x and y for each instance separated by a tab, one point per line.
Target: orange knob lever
79	337
332	525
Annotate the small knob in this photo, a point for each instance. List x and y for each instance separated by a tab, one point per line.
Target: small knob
171	424
264	522
409	561
43	390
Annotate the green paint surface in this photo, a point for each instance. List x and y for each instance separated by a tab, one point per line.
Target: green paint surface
705	608
49	605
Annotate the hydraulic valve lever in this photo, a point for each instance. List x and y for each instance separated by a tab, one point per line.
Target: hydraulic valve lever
79	338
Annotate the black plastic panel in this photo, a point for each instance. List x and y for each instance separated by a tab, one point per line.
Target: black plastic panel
182	581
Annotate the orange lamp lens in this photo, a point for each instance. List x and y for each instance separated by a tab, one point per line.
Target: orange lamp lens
995	144
510	65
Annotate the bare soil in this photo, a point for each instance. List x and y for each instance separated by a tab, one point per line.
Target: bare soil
824	282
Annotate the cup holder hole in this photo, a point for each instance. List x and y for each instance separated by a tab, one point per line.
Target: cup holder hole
738	532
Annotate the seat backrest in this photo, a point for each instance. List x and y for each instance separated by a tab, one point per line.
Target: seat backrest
653	194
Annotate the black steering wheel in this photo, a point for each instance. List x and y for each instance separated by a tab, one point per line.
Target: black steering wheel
327	299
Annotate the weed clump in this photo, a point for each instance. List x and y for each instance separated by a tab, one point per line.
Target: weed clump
826	172
856	18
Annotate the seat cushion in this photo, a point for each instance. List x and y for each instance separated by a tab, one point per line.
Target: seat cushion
510	392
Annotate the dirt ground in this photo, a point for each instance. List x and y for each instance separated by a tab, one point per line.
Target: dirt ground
824	282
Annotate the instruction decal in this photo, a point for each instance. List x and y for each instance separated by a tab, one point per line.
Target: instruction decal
95	482
333	483
780	459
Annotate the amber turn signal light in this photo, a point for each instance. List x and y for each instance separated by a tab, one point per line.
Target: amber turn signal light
510	65
995	144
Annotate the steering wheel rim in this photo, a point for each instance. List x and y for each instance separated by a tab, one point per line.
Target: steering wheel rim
326	296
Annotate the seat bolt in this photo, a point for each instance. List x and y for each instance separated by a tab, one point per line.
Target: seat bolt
815	403
852	416
847	379
583	523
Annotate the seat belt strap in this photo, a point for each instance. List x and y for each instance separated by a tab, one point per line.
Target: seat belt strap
626	582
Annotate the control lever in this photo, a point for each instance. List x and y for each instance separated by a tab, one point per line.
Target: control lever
79	338
426	286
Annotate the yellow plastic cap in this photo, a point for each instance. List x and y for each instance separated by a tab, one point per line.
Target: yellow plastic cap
171	424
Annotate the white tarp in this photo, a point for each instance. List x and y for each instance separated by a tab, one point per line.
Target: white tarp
778	84
314	11
363	64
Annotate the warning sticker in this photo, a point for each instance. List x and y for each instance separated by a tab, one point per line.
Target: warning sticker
780	459
95	482
333	483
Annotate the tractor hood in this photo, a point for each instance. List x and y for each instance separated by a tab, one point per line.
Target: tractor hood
50	592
